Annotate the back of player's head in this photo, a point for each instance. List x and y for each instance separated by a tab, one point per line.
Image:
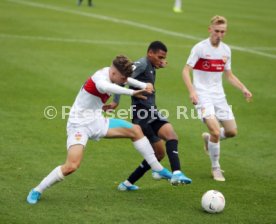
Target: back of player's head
156	46
123	65
218	20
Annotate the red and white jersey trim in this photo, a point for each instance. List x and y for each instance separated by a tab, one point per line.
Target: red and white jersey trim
210	65
91	88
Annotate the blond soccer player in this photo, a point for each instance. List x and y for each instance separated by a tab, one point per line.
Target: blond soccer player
209	60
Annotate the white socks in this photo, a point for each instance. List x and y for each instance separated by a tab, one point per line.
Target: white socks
143	146
53	177
214	149
214	152
177	4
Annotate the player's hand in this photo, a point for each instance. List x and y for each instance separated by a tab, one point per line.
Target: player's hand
194	98
139	94
110	107
149	88
247	94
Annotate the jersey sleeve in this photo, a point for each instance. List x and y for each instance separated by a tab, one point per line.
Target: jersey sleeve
227	66
135	83
194	56
138	68
131	82
106	87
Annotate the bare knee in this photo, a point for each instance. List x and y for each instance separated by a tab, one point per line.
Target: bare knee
69	168
171	136
166	132
230	134
136	132
215	135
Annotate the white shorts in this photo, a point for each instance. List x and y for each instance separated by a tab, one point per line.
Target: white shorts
79	134
218	107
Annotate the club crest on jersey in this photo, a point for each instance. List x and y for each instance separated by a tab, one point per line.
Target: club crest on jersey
78	136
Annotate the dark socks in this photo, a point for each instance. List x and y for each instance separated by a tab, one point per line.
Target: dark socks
139	172
172	152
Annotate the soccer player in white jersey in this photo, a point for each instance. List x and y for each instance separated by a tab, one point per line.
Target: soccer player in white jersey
86	122
208	61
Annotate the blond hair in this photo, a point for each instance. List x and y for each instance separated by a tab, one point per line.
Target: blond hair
218	20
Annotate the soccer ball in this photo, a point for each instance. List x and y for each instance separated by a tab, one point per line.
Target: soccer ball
213	201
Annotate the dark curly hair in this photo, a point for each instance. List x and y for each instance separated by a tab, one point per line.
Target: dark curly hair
123	65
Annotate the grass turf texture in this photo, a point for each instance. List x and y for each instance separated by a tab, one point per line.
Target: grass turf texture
49	48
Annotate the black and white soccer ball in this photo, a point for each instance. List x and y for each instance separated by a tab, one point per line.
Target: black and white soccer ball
213	201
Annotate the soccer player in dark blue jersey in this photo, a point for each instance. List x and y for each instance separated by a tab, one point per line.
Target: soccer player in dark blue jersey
155	127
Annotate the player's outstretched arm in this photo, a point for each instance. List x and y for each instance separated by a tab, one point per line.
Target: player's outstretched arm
106	87
140	94
141	85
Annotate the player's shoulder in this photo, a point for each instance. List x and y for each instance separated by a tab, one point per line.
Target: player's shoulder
225	47
142	62
202	43
198	47
140	65
101	74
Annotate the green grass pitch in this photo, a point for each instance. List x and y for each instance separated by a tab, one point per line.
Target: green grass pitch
47	50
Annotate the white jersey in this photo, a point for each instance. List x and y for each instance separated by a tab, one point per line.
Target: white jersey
208	64
94	94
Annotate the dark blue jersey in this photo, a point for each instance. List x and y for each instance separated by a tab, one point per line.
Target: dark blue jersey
144	72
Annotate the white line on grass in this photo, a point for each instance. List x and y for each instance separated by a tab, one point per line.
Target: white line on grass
264	48
81	41
70	40
135	24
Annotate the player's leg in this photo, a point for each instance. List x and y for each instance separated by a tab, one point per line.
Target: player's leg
144	166
74	157
139	172
73	161
122	129
160	152
226	117
228	129
76	141
214	146
166	132
128	184
158	148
